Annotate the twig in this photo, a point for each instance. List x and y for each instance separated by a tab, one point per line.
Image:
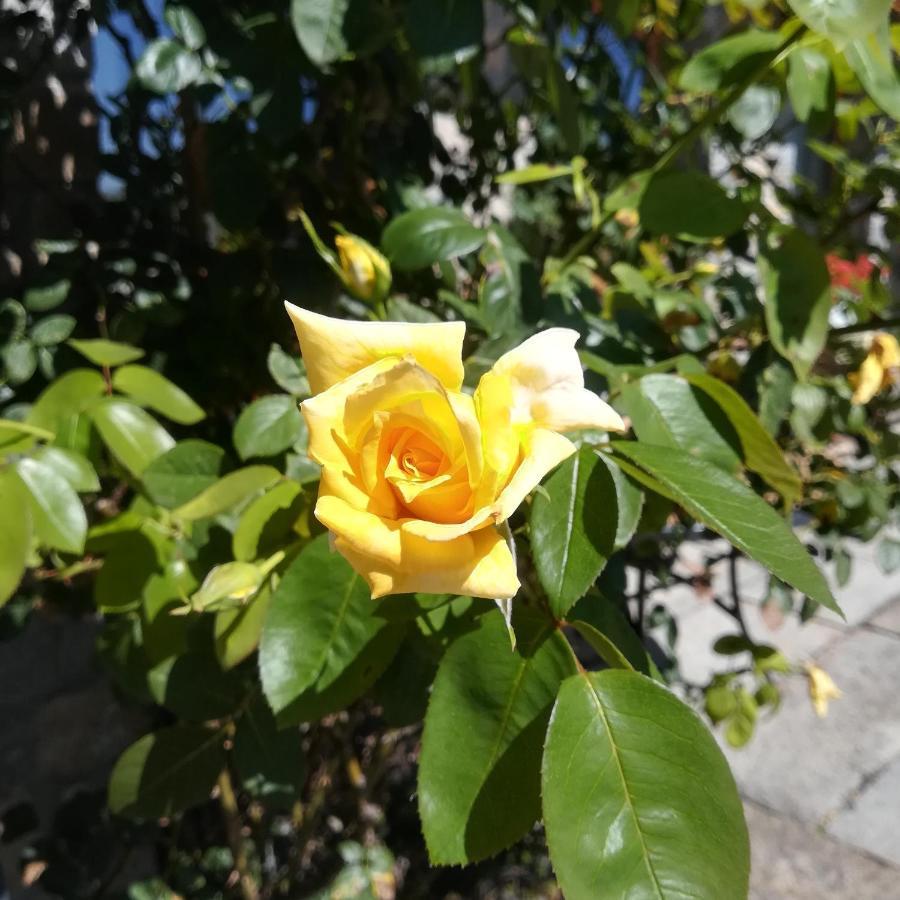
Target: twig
233	829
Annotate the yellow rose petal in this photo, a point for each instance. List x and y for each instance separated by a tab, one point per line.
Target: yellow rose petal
334	349
548	385
392	561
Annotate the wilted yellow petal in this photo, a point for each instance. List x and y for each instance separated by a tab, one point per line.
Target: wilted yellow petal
334	349
821	689
548	385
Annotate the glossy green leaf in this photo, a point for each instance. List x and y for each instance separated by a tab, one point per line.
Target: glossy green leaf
797	290
319	26
59	518
690	205
277	503
629	504
195	687
842	20
288	371
52	330
734	511
760	452
19	361
603	617
15	533
66	398
186	26
43	297
665	410
237	631
810	85
726	62
573	527
133	437
227	492
71	466
421	237
871	58
148	388
563	98
479	769
166	772
607	650
638	799
321	619
183	472
269	761
106	353
268	426
167	66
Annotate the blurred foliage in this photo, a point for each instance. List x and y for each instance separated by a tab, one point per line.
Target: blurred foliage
622	170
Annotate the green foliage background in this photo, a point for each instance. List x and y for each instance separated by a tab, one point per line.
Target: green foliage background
519	165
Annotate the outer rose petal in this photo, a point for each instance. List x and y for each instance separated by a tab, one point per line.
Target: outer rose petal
336	348
393	562
548	385
868	379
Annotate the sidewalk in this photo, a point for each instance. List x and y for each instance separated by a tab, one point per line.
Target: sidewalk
822	795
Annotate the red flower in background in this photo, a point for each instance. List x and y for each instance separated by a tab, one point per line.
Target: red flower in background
847	274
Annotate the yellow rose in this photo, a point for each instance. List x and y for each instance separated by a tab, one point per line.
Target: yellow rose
879	368
416	474
364	271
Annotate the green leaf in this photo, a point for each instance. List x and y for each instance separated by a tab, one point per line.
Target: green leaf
689	205
629	504
268	426
167	66
442	27
797	290
52	330
19	360
66	398
422	237
49	296
872	60
58	516
563	99
106	353
888	555
732	510
573	527
237	631
194	687
479	770
230	581
638	799
760	452
257	519
607	650
166	772
665	410
148	388
270	762
181	473
228	492
15	533
602	615
726	62
533	173
810	86
186	25
71	466
755	111
132	436
319	26
321	619
842	20
288	372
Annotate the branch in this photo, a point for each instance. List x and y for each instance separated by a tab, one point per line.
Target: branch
233	828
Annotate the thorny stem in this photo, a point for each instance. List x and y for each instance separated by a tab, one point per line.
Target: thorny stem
233	829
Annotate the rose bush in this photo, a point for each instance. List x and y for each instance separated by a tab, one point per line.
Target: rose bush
416	474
